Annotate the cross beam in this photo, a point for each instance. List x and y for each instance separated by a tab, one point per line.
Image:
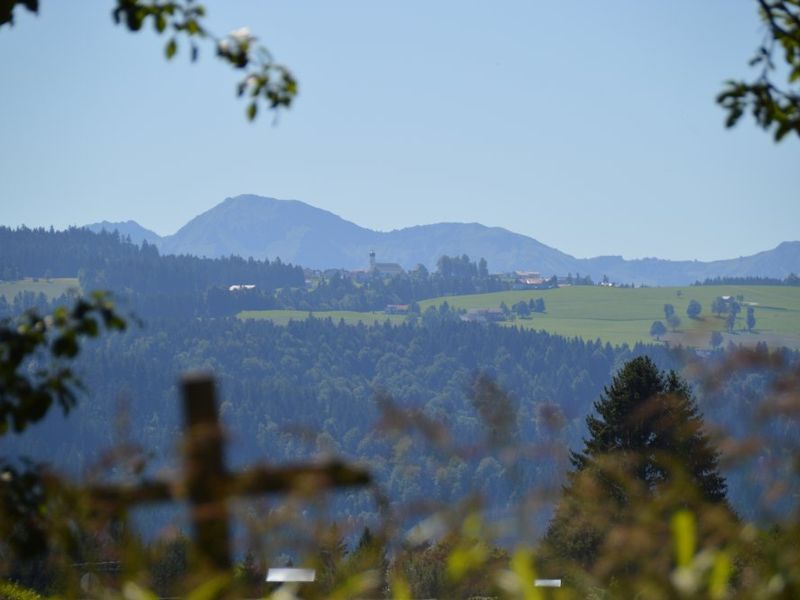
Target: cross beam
207	484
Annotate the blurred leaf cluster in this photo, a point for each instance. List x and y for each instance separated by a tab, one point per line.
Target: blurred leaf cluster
263	79
774	105
7	9
34	356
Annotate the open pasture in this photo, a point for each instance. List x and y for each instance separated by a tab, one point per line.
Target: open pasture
52	288
624	315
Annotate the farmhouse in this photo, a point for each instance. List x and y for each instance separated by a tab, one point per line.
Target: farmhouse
532	280
397	309
241	287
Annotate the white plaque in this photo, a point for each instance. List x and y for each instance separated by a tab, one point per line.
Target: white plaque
291	575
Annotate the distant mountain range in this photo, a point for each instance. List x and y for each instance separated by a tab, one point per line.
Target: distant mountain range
299	233
131	229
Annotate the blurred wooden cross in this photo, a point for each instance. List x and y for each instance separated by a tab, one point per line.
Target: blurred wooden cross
207	484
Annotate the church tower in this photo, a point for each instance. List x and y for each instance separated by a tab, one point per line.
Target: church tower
372	260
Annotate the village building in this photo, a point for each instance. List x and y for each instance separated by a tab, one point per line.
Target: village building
241	287
397	309
384	269
331	273
532	280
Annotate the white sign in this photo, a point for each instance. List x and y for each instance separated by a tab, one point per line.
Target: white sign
291	575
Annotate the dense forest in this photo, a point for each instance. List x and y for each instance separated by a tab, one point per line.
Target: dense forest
321	379
317	386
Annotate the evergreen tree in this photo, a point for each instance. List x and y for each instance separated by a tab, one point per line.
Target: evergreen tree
647	435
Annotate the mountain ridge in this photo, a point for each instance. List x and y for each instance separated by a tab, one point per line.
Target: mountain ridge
129	228
250	225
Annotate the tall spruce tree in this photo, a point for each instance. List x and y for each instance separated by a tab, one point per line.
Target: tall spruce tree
646	441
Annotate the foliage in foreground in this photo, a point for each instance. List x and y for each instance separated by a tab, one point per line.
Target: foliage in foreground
667	532
183	21
774	105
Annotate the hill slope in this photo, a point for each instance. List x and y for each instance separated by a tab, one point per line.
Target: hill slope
778	262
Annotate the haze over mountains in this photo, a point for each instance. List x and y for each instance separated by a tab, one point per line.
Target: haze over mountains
299	233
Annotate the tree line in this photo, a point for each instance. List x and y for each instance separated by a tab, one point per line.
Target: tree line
792	280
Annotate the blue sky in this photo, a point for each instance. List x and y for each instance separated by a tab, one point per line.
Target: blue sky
590	126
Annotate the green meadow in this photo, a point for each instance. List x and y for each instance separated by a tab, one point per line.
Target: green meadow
616	315
52	288
624	315
282	317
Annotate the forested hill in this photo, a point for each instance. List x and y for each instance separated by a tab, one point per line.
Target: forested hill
310	387
107	261
154	285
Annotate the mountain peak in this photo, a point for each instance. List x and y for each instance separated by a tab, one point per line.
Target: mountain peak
264	227
129	228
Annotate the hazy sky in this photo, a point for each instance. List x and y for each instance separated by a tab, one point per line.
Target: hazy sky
588	125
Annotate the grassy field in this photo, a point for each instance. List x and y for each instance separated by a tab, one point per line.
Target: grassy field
282	317
52	288
619	315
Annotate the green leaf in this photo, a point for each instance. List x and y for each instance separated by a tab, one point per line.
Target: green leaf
171	48
684	537
15	592
720	576
522	567
89	327
133	591
66	345
400	588
252	111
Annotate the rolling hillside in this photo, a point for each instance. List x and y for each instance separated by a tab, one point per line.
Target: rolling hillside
622	315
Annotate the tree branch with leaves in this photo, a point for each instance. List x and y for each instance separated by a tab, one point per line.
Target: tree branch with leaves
774	105
264	80
34	358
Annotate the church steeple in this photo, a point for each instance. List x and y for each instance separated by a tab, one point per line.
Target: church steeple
372	260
